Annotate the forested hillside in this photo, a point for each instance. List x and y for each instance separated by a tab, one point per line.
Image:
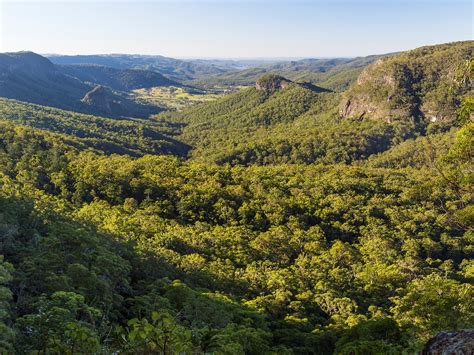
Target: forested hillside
296	124
110	135
303	124
264	222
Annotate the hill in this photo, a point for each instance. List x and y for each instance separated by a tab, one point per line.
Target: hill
426	83
285	122
280	121
117	79
29	77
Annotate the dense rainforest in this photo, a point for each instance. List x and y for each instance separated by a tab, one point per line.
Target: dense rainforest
284	218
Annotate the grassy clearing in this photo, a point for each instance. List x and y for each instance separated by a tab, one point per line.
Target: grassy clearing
178	98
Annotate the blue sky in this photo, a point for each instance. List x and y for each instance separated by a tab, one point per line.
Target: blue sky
232	29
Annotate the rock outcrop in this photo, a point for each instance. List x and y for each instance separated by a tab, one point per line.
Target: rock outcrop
100	99
453	342
271	82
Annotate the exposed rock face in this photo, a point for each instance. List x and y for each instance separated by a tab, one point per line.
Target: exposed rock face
103	101
425	84
454	342
99	98
271	82
357	109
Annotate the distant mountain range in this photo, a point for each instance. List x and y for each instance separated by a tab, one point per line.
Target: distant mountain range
331	73
175	69
99	84
69	82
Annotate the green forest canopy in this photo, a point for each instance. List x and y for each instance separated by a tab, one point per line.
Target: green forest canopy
287	230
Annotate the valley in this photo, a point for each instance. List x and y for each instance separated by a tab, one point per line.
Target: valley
152	205
179	98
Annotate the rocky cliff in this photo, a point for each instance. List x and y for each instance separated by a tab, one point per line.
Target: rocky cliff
459	342
271	82
426	83
100	98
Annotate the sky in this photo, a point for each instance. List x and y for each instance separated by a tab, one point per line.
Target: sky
232	28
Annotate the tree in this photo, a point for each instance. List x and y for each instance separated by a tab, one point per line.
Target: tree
6	333
434	303
162	335
61	323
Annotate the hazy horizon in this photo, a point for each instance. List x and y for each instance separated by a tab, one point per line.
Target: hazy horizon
250	29
225	58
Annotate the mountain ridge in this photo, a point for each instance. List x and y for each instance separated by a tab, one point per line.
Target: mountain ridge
174	69
117	79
